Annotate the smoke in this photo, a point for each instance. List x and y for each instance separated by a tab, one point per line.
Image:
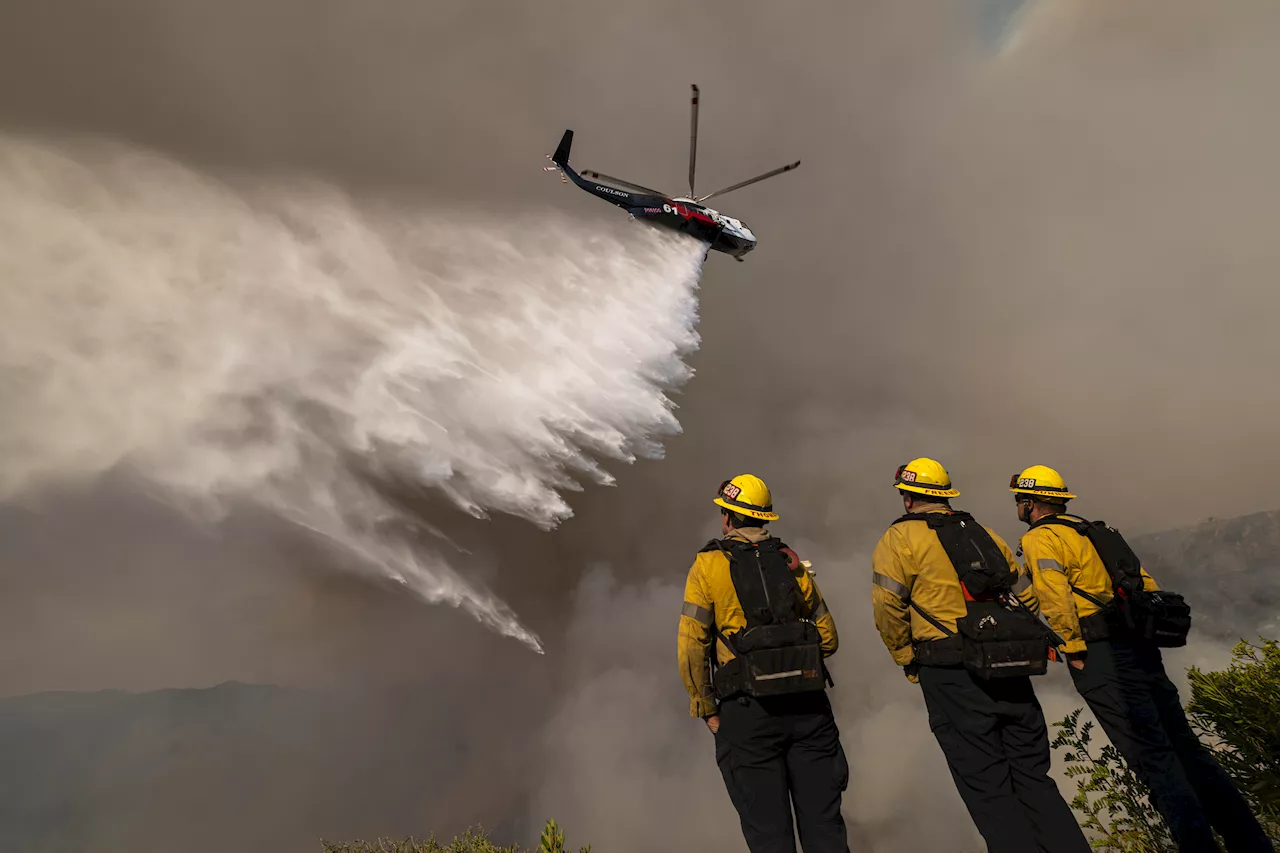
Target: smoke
288	347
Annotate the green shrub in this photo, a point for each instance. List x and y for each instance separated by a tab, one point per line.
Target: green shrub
476	841
1235	712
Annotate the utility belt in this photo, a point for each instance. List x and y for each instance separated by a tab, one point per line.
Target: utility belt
771	660
993	640
948	651
1096	626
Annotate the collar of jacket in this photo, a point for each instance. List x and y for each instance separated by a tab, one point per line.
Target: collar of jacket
749	534
931	508
1068	516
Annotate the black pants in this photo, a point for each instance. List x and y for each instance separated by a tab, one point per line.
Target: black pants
1126	687
781	752
994	737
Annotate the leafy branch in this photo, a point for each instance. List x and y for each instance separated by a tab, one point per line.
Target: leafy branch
472	841
1109	797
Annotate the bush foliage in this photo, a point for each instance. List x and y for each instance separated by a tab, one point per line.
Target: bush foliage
472	841
1238	709
1236	713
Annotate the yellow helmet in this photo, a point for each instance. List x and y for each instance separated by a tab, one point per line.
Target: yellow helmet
1041	481
746	494
926	477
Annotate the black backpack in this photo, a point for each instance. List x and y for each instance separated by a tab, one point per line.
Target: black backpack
779	651
1162	618
998	637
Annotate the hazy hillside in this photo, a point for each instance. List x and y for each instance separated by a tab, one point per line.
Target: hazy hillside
74	762
1228	568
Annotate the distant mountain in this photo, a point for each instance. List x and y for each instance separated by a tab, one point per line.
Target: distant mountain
1229	570
76	765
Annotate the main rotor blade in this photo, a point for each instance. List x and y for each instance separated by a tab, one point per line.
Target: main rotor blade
693	137
590	173
749	181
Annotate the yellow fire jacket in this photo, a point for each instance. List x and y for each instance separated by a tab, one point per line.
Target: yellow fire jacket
709	598
910	564
1058	558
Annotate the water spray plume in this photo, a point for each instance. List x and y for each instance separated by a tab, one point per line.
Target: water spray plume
290	347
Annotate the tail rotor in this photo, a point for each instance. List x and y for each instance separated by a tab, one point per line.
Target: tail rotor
554	167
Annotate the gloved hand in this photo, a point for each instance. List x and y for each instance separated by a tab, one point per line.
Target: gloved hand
912	671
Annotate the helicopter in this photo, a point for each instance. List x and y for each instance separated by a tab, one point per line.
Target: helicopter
686	214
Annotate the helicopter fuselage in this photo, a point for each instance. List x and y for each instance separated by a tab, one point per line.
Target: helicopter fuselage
722	233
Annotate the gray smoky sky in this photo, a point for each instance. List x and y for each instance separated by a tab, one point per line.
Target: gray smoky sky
1058	253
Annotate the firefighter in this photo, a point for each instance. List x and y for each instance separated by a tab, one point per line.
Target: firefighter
1121	675
762	694
982	708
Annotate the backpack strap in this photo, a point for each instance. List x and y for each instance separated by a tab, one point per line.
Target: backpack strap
1080	526
713	659
1089	597
934	520
927	518
934	622
727	550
